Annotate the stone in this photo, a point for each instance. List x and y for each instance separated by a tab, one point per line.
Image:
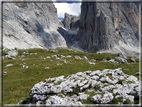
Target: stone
107	88
60	78
10	58
84	87
16	48
39	89
53	51
37	97
77	57
122	55
55	89
23	66
27	67
55	100
54	56
93	60
38	103
132	78
9	65
70	49
107	97
133	60
120	60
23	60
88	72
51	60
91	63
96	98
46	68
85	58
95	72
138	73
12	53
83	96
48	57
95	77
68	56
59	63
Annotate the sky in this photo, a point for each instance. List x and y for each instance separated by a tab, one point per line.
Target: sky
67	7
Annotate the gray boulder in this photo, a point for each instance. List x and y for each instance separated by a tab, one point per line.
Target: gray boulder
10	58
133	60
9	65
122	55
11	53
107	97
96	98
55	100
120	60
83	96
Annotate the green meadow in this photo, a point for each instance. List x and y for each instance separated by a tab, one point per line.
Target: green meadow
18	81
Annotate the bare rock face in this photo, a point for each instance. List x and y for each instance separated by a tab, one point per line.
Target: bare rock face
109	26
31	25
70	22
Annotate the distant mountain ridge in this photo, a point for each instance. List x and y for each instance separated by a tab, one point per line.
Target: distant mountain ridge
101	27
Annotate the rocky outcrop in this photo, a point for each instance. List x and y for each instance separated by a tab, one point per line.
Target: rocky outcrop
70	21
109	26
31	25
107	87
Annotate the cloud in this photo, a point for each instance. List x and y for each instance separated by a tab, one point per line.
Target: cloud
70	8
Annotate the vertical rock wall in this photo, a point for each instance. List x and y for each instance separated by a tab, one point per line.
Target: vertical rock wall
103	26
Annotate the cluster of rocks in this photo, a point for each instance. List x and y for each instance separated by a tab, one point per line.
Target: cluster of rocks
59	57
10	54
106	85
24	66
120	59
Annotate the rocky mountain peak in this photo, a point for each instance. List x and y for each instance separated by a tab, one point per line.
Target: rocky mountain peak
70	21
109	26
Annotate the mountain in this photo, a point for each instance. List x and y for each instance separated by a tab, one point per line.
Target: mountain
31	25
109	27
70	21
101	27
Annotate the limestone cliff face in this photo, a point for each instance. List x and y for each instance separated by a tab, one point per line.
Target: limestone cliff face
70	21
31	25
108	26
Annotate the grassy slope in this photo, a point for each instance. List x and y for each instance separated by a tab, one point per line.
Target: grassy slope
17	82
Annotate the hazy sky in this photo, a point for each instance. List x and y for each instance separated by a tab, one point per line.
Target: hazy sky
66	7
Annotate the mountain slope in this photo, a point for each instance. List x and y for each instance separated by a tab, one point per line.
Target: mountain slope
31	25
